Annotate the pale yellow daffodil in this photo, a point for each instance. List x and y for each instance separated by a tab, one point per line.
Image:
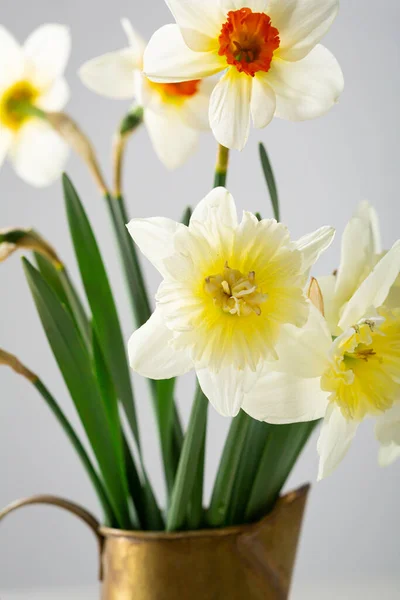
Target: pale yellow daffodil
31	77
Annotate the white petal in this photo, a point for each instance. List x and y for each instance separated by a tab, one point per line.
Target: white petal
327	285
388	455
358	255
155	238
373	291
314	244
314	340
218	205
225	389
167	58
230	109
12	61
48	49
136	43
173	141
301	24
111	75
280	398
263	101
368	213
38	153
335	439
387	428
6	138
195	109
254	5
308	88
55	97
150	353
200	22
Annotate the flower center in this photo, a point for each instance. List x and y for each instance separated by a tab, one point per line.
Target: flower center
13	101
176	92
248	40
235	293
364	373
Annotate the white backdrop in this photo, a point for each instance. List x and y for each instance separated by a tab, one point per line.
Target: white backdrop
324	168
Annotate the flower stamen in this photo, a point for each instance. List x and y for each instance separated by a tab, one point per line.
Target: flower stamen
235	293
248	40
12	102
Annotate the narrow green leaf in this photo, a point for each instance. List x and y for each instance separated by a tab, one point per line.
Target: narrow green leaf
75	366
252	450
188	463
51	275
98	486
270	179
98	291
186	216
195	513
162	403
133	271
284	446
61	283
225	481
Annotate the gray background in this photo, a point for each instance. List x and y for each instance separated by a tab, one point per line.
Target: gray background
324	168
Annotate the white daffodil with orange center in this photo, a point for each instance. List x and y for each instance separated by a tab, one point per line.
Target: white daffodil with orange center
361	251
228	288
268	52
174	113
31	77
343	379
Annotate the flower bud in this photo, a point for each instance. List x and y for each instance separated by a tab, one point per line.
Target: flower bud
12	239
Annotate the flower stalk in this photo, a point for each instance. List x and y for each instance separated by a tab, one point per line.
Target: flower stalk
129	124
221	168
70	131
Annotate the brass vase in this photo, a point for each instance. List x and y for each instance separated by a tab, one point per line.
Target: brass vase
248	562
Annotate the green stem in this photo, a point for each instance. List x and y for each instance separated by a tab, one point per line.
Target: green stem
221	168
226	477
190	459
75	441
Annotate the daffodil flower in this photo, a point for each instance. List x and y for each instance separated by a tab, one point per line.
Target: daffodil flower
268	52
31	78
174	113
357	375
361	251
228	289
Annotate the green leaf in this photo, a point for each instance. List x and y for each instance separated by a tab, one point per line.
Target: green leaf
225	482
61	283
98	291
133	271
252	450
188	464
186	216
195	513
270	179
76	368
162	402
284	446
97	483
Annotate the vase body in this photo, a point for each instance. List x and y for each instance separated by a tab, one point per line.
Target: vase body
251	562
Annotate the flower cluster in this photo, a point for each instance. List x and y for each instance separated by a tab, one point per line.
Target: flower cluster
235	303
233	306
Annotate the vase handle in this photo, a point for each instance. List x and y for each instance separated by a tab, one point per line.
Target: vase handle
71	507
